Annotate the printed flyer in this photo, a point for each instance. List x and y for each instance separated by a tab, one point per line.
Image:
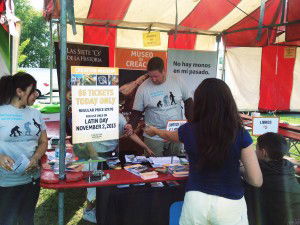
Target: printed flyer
95	104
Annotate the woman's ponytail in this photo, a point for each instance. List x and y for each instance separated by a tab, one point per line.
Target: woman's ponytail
7	89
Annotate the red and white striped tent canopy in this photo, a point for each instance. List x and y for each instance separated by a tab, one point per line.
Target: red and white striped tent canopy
195	25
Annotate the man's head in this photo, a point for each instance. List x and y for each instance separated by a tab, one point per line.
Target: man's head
156	70
271	146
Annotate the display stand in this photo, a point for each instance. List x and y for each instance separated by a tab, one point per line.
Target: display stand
97	175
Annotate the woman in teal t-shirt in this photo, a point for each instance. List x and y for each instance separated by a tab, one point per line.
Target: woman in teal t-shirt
23	141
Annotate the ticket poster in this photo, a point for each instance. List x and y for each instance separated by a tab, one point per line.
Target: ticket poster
95	104
262	125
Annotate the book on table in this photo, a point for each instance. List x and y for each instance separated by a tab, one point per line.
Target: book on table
136	169
142	171
149	175
178	170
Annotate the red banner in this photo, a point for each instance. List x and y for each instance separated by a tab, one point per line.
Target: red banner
276	82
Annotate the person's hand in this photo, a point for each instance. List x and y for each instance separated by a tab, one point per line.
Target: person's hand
150	130
128	130
149	152
6	162
33	165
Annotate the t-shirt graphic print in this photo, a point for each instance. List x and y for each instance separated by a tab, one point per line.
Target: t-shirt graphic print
20	130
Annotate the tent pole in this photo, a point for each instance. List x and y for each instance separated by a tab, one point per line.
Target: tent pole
186	32
261	19
283	11
51	63
218	38
11	49
141	29
268	26
61	207
146	29
224	61
62	96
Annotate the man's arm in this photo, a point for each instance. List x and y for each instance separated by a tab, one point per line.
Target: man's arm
164	134
188	109
135	118
137	108
137	140
129	88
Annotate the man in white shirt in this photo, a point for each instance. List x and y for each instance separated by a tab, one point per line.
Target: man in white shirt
160	98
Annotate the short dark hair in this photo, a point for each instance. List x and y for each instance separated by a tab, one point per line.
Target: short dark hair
274	144
9	85
155	63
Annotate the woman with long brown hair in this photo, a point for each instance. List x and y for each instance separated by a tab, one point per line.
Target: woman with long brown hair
215	142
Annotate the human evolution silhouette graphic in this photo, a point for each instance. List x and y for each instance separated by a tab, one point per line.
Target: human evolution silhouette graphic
15	132
167	101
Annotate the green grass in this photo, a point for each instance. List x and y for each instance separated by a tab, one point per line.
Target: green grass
47	208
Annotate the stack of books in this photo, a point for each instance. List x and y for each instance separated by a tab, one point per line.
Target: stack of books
178	170
141	171
149	175
136	169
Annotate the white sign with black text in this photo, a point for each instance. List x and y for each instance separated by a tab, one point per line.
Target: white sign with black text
262	125
192	66
95	104
173	125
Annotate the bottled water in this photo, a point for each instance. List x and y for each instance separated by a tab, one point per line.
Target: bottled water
57	152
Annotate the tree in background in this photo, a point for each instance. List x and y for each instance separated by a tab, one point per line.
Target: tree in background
21	49
35	29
